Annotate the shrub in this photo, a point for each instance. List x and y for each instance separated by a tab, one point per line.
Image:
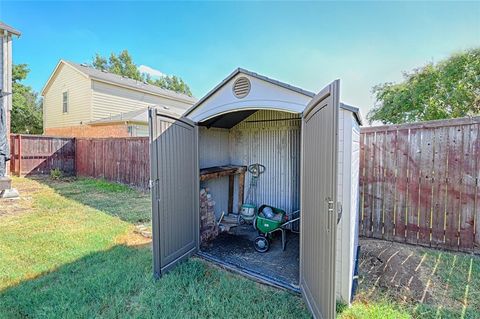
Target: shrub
56	173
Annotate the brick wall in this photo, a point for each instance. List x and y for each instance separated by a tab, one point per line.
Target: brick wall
113	130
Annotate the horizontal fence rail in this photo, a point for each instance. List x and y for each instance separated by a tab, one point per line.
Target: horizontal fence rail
122	160
38	154
419	183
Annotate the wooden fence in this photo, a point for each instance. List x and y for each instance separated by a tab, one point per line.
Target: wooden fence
419	183
122	160
38	154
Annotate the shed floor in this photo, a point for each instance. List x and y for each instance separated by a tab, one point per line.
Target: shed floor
236	248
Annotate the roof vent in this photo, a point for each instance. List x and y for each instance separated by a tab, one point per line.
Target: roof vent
241	87
84	64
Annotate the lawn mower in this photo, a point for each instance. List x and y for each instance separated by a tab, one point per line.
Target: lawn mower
269	220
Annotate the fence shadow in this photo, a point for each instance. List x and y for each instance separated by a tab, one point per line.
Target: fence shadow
36	154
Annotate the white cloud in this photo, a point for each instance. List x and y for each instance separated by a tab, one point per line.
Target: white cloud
151	71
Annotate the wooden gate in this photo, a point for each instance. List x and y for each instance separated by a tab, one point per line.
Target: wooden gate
37	154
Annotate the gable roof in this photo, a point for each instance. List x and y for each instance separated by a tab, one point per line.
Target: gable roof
240	115
119	80
9	29
254	75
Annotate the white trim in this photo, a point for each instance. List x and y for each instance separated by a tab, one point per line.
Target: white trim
53	74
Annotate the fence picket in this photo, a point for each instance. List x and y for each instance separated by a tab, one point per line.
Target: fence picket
425	191
378	168
439	191
430	190
389	193
401	185
413	185
467	204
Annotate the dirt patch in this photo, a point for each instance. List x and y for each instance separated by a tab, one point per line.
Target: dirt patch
133	238
21	205
398	270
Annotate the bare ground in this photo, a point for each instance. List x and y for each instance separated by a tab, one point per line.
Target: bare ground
416	276
22	204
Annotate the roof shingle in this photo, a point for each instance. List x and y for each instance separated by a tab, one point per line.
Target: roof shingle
124	81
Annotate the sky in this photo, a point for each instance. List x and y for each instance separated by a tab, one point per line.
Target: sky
307	44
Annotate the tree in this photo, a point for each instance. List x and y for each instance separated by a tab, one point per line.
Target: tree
26	116
122	64
173	83
448	89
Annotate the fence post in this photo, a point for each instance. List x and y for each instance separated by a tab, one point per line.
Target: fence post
12	154
75	156
19	155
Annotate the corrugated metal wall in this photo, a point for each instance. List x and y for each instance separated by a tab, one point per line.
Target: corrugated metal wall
271	138
213	151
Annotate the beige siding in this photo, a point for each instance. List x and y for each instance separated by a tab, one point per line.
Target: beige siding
109	100
79	97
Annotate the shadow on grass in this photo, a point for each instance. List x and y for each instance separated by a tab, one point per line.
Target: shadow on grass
115	199
425	282
119	283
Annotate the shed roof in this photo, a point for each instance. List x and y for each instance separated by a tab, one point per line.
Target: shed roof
221	108
9	29
252	74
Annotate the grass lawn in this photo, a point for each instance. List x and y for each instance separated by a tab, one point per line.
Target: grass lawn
68	249
64	254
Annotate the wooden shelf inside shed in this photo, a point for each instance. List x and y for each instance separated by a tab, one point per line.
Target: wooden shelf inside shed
230	171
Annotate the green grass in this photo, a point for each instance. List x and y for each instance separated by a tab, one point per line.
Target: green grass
375	310
67	256
118	283
53	231
110	198
458	295
67	249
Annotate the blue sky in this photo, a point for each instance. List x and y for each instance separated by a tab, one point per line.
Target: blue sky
307	44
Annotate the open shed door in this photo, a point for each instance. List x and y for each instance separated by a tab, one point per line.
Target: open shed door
318	201
174	189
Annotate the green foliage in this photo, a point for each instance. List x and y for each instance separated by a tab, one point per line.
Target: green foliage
56	174
448	89
26	116
122	64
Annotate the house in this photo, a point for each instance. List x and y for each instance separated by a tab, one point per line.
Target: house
307	146
81	101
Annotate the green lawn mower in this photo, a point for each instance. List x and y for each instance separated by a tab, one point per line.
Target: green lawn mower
269	220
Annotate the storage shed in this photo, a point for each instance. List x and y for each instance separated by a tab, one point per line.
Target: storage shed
309	145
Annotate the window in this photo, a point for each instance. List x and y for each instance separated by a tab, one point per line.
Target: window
65	102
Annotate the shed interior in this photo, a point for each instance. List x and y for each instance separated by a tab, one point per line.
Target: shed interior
241	138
